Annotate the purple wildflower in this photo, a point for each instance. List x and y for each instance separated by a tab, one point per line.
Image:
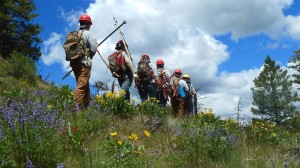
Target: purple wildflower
61	165
29	164
231	139
208	136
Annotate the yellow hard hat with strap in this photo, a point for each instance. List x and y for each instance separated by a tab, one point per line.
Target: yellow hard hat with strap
186	76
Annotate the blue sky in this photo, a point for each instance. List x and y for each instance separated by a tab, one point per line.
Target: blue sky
221	44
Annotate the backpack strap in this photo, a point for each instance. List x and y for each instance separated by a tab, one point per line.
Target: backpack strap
86	50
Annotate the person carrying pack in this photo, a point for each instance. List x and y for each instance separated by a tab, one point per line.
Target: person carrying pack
116	63
162	77
145	78
178	93
191	96
80	47
122	67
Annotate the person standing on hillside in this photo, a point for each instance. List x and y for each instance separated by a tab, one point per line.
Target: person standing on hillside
145	78
162	77
82	66
191	96
126	77
179	88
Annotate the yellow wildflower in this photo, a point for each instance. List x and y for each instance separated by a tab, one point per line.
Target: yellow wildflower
210	113
113	134
273	134
98	97
109	95
133	136
271	125
146	133
49	106
119	142
138	152
234	121
122	92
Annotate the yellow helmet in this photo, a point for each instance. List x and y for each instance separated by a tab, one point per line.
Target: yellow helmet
186	76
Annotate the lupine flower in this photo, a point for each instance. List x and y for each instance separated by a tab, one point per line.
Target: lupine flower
1	134
29	164
61	165
230	139
208	136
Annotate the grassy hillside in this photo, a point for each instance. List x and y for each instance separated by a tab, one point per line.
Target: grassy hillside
41	127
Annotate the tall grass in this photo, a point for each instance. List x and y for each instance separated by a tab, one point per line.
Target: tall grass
40	128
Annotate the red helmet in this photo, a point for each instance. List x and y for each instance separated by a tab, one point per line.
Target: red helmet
145	57
160	62
177	72
85	17
120	44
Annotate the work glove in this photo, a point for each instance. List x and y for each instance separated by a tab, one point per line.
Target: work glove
115	75
135	76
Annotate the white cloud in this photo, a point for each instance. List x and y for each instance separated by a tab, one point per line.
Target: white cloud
53	51
223	92
183	34
293	26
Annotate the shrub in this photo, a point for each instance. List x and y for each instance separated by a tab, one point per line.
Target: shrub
20	67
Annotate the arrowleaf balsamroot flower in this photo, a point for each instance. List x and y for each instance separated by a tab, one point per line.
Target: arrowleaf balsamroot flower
113	134
119	142
146	133
133	136
122	92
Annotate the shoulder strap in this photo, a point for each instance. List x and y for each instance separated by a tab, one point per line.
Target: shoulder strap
86	50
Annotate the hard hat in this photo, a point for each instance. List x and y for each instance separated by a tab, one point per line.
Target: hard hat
120	44
145	57
85	17
186	76
160	62
177	72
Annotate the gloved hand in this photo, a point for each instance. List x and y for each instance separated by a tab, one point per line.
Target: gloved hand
165	85
115	75
135	76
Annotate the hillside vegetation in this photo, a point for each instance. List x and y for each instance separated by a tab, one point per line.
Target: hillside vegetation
41	128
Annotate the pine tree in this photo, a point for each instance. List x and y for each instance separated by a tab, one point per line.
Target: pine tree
272	93
295	64
17	32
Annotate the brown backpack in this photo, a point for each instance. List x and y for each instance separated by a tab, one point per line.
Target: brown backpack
174	88
73	46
